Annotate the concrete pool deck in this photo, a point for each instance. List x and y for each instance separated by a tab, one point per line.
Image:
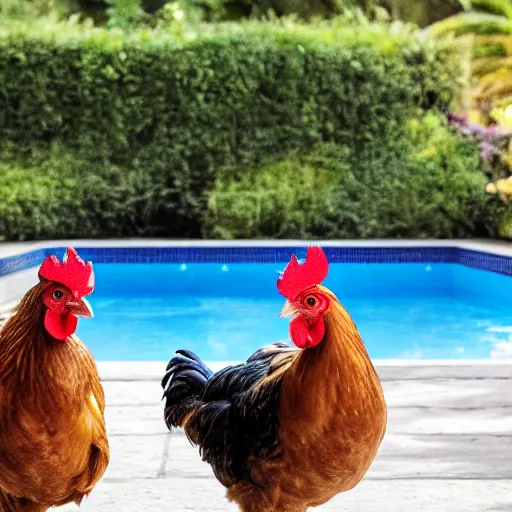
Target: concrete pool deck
448	446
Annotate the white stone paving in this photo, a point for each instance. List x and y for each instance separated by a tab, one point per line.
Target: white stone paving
448	447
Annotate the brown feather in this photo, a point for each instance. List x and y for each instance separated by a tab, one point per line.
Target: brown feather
53	442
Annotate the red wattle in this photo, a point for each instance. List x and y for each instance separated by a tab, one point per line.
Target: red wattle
305	335
60	326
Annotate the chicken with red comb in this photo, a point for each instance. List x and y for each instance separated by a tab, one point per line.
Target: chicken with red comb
291	427
53	443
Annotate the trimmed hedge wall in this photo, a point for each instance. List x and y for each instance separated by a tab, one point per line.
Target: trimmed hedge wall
136	130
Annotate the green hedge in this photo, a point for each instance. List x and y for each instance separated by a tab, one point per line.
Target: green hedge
129	134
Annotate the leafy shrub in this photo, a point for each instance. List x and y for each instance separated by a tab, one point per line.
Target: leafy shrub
123	13
291	198
493	142
30	9
448	184
431	186
39	200
59	195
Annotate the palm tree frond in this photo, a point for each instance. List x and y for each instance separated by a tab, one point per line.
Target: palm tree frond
495	85
498	7
482	67
489	49
478	23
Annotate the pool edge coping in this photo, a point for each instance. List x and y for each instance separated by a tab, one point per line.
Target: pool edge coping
497	247
490	255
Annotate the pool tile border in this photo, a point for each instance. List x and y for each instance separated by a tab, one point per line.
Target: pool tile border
12	264
265	253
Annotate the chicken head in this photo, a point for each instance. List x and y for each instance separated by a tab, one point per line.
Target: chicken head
306	301
66	285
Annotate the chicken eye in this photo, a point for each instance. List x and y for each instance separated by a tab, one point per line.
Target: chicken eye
58	294
311	301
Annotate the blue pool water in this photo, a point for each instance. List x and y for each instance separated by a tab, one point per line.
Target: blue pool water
144	312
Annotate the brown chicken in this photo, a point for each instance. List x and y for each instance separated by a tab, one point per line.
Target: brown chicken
53	443
289	429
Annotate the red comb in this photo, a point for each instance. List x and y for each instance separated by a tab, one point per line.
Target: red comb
296	278
72	272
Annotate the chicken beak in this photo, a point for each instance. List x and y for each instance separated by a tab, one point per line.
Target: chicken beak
81	308
288	310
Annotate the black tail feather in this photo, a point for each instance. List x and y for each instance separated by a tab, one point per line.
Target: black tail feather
190	355
185	379
184	359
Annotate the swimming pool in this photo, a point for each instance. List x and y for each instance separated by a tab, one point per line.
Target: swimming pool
224	310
